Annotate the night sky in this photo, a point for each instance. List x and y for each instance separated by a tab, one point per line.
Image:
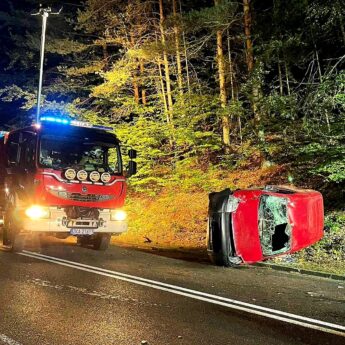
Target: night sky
15	22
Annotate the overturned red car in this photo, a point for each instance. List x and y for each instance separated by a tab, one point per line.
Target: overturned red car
247	226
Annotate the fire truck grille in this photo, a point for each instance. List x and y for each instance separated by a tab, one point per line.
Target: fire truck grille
82	197
88	197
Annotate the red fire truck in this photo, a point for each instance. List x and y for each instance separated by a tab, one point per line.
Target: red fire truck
62	177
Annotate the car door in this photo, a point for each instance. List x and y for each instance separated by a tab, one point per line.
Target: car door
245	226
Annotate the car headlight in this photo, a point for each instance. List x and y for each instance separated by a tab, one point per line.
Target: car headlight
38	212
118	215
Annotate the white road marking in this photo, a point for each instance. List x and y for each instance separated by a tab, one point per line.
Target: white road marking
198	295
94	293
8	341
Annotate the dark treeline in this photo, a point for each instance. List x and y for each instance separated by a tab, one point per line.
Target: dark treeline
193	85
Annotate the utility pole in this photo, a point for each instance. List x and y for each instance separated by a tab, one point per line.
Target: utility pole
44	12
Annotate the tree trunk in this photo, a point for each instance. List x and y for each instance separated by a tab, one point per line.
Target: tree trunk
342	28
287	78
185	55
143	90
166	110
163	91
247	31
136	90
178	48
222	86
280	78
250	55
135	78
165	59
318	63
340	19
316	53
231	68
105	56
240	128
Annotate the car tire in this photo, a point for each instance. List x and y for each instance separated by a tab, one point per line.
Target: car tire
221	254
220	244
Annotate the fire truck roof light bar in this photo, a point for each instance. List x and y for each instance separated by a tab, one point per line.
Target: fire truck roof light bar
55	119
75	123
3	133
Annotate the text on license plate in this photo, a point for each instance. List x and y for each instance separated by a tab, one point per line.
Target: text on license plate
81	231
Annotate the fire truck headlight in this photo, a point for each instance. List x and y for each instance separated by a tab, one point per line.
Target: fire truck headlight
70	174
82	175
38	212
95	176
106	177
118	215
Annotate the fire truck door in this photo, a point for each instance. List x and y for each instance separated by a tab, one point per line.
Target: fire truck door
27	167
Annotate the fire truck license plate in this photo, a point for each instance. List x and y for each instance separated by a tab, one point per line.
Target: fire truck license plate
81	231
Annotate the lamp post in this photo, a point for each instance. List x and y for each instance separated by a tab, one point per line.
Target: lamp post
44	12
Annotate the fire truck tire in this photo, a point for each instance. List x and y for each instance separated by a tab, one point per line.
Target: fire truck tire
18	243
11	234
101	242
83	241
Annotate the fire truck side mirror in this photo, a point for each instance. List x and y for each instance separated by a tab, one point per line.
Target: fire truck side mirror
132	154
132	168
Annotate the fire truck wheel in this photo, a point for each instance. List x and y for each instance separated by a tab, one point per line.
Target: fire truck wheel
83	241
11	234
101	242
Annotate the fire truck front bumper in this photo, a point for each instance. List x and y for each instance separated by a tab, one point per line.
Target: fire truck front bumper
56	222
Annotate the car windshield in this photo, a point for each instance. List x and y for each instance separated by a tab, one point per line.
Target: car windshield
63	152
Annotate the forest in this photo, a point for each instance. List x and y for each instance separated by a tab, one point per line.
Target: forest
213	94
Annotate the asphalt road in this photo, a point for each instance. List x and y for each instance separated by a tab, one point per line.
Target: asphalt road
72	295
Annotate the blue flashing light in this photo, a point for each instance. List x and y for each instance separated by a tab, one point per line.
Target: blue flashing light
75	123
3	133
55	120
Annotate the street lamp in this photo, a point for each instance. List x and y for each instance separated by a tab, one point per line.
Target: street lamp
44	12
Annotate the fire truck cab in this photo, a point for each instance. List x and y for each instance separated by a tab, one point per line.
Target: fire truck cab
62	178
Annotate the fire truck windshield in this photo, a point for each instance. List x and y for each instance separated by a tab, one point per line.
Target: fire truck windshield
58	152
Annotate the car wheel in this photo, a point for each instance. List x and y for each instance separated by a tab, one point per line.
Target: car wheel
220	243
221	254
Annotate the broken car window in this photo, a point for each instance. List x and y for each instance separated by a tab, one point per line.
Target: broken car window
274	227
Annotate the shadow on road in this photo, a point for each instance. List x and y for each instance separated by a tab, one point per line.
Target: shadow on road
191	255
